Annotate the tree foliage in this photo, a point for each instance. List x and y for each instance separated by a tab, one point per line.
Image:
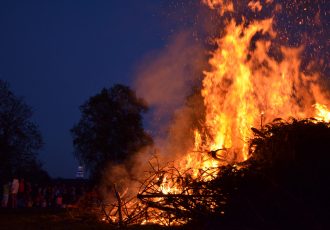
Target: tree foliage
20	139
110	129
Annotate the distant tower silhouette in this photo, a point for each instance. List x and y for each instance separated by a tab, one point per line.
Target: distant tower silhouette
80	172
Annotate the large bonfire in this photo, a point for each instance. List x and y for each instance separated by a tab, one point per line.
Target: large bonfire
248	85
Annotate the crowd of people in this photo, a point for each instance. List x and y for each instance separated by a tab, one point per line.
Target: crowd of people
21	193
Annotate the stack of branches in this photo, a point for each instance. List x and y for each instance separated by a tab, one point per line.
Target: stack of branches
293	151
286	178
175	198
169	197
284	184
119	209
123	210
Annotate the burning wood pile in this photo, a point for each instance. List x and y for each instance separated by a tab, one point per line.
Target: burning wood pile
279	178
233	171
170	197
176	197
167	197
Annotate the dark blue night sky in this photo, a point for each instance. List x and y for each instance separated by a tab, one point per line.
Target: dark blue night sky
56	54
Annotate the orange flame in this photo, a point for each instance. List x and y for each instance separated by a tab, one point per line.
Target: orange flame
223	5
322	112
255	6
245	87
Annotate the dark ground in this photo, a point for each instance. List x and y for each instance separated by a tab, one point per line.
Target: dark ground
44	218
37	218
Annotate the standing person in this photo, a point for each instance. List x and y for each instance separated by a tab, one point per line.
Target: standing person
28	194
5	195
39	197
20	196
59	201
14	191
